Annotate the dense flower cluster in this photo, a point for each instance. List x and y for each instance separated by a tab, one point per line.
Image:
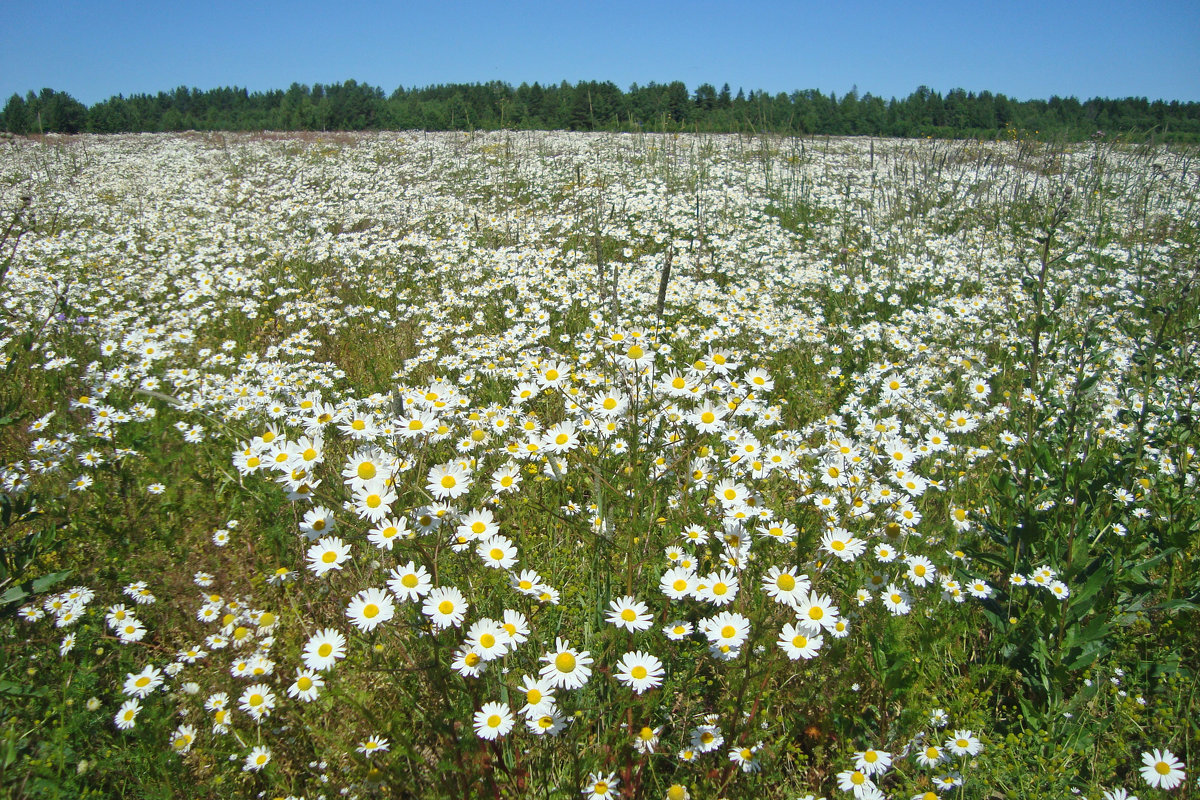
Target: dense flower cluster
553	486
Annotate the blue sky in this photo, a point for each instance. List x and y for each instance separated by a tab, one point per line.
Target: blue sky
98	48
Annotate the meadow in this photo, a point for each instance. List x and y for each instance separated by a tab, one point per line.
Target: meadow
561	465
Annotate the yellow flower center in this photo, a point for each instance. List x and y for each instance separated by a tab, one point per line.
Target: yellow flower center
445	607
487	640
728	632
564	662
493	721
448	482
409	581
816	612
329	557
304	684
370	611
638	672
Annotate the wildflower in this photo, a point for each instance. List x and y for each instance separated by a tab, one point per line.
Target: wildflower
306	685
387	531
527	582
410	582
369	608
373	501
626	612
856	781
920	570
1162	770
516	626
126	716
327	554
316	522
323	649
373	745
744	758
493	720
873	762
549	724
706	738
600	786
719	588
895	600
964	743
727	629
448	481
639	671
677	582
817	611
944	783
489	639
445	606
646	739
784	586
1118	794
497	552
141	684
678	630
931	756
182	738
256	759
539	696
566	667
257	700
840	543
799	642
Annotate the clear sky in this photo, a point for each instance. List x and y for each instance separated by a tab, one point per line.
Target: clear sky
94	49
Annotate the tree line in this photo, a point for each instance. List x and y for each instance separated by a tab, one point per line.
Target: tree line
593	105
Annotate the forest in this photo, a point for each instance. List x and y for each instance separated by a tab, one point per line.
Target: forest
603	106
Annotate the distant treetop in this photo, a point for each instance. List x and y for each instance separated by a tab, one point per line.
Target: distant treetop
593	105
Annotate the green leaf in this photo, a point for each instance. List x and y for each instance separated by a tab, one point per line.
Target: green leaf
36	586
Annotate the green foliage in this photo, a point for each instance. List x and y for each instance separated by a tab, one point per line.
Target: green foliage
594	105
